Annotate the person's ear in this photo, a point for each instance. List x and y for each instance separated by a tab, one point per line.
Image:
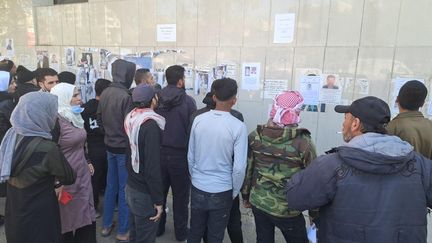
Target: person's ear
355	125
214	98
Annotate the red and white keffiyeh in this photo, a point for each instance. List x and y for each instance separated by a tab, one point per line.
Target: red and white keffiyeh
286	108
132	126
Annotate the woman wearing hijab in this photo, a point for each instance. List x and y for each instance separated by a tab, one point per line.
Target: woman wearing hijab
33	165
277	150
78	213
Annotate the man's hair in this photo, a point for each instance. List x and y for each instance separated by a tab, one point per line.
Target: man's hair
412	95
41	73
365	128
331	76
142	105
100	85
6	65
140	75
224	88
67	77
174	74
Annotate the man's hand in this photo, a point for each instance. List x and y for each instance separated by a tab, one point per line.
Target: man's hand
91	168
158	213
59	192
247	204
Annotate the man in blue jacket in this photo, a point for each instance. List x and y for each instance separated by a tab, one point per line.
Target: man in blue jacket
374	188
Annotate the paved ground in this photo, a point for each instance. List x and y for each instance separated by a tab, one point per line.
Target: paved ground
168	237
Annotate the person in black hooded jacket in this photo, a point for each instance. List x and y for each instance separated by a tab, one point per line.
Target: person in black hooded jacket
114	104
176	107
95	141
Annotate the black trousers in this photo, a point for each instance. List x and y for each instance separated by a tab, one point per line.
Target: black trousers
100	165
175	174
234	223
293	229
86	234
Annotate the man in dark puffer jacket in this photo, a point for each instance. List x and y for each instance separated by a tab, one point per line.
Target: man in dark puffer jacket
372	189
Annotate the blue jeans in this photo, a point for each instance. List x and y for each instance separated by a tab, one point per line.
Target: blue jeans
116	182
209	211
142	229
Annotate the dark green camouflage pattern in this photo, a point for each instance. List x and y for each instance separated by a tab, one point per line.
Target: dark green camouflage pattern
274	155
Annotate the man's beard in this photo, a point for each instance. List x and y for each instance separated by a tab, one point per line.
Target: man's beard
347	137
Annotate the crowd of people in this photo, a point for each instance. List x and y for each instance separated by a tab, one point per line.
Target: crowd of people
58	156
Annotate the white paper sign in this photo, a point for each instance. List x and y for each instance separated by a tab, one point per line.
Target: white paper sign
251	76
363	86
429	111
166	32
430	108
309	88
284	28
273	87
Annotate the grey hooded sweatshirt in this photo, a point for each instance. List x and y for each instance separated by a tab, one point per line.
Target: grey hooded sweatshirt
374	189
114	104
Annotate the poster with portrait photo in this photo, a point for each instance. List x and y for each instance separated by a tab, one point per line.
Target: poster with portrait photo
86	59
10	49
54	62
70	56
103	59
42	58
201	82
330	92
251	76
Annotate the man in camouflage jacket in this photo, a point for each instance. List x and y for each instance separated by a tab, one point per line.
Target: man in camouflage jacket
277	150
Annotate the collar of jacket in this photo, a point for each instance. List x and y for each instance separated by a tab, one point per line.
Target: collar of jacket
409	114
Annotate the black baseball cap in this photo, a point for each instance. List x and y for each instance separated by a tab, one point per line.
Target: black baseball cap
143	93
370	110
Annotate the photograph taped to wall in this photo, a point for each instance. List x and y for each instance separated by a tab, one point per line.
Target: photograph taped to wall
330	91
42	59
189	78
54	62
86	60
251	76
103	59
10	48
310	88
69	56
201	82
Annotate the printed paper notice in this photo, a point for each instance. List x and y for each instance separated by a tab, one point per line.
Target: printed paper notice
284	28
251	76
309	88
330	91
429	111
166	32
273	87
